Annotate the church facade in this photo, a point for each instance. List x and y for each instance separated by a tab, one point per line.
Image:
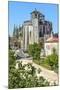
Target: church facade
35	29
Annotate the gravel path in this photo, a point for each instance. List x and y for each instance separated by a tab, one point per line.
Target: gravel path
51	76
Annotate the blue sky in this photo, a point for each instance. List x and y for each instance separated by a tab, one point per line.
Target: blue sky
18	12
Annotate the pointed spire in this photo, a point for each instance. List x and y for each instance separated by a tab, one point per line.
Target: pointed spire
35	9
14	30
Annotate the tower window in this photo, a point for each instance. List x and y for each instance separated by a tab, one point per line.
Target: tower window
35	15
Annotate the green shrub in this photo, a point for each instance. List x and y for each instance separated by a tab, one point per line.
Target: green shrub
34	51
21	78
52	61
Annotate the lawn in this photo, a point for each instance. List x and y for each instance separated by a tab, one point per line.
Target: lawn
43	63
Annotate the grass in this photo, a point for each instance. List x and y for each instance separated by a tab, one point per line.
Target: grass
45	64
42	63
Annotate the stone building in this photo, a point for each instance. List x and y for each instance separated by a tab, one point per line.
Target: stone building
36	29
15	41
50	44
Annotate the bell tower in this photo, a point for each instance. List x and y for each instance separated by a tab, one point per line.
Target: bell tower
35	15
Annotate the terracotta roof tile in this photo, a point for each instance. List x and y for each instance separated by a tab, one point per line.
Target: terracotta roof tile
52	39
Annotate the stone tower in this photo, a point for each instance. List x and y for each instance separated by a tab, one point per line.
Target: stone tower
35	29
35	15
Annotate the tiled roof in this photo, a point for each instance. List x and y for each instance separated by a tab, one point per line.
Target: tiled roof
52	39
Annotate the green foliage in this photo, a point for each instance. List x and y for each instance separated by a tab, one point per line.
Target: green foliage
23	76
42	82
12	58
52	61
34	51
39	70
41	44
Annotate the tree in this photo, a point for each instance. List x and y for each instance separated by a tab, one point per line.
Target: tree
22	77
41	44
12	58
34	50
52	60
